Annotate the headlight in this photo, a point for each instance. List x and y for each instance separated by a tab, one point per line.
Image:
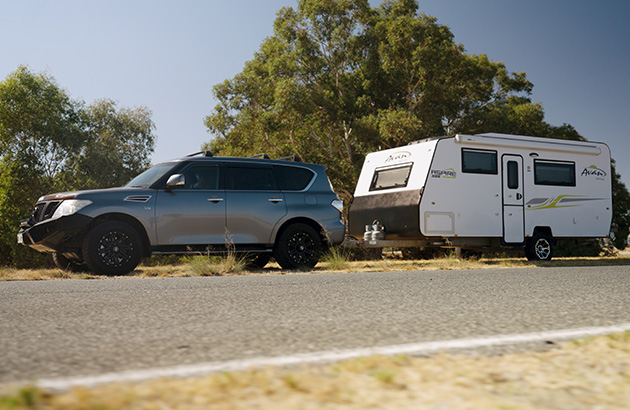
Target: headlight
70	206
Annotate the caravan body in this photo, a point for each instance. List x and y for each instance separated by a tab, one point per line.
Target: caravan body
486	190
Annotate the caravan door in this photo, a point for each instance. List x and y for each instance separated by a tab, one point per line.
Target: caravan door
513	214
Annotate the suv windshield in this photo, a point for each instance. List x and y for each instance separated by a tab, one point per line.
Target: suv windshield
151	175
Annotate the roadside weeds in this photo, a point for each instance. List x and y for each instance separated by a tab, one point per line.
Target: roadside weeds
334	263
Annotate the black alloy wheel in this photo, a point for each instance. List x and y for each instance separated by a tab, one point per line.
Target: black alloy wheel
298	246
112	248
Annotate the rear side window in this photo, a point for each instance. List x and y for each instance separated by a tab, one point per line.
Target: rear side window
250	179
479	161
557	173
391	178
293	178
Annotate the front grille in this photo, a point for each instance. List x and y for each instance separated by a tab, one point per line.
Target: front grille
44	210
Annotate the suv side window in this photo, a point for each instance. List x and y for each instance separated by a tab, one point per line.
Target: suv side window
202	177
254	178
293	178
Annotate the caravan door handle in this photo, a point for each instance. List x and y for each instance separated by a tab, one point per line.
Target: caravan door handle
519	196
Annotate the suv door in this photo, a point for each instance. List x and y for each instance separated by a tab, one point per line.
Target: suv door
255	204
193	214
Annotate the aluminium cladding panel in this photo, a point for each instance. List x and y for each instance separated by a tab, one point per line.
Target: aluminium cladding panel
581	209
395	206
455	203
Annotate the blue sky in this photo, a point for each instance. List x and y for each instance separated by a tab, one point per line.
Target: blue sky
167	55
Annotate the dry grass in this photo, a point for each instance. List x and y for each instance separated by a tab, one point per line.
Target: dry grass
592	374
205	265
201	265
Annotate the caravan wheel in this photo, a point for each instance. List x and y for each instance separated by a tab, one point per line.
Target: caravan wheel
539	248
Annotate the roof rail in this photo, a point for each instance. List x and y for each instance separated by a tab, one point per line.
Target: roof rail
205	153
208	153
293	158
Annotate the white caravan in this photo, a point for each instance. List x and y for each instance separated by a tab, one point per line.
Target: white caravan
484	191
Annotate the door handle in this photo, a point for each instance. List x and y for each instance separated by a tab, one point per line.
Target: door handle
215	200
275	200
519	196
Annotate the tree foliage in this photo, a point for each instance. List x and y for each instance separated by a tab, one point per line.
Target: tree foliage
339	79
51	143
117	140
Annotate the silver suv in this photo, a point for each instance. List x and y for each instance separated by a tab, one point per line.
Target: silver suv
199	203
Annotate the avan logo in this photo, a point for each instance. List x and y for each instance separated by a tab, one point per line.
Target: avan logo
443	173
593	171
398	156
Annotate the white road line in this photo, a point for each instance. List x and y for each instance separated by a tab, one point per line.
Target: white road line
203	369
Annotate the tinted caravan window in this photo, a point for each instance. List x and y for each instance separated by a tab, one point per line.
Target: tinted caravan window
554	173
479	161
512	174
391	178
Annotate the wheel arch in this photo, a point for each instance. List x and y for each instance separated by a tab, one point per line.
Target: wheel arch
313	224
546	230
136	224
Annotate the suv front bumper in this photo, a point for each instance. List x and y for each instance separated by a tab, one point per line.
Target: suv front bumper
52	235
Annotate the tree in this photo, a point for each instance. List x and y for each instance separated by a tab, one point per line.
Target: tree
119	141
52	143
339	79
38	127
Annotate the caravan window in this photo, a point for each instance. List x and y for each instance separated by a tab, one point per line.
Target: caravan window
512	175
479	161
554	173
391	178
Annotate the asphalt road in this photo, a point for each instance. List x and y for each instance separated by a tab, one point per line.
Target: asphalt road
68	328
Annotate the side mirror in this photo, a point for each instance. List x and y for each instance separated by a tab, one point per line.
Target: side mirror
176	181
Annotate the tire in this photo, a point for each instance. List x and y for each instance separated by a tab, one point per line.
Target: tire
112	248
539	248
66	264
298	246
